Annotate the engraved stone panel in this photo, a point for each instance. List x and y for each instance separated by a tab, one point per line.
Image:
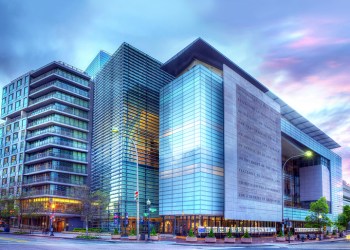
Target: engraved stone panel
254	175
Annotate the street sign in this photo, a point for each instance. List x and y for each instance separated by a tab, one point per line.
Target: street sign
152	210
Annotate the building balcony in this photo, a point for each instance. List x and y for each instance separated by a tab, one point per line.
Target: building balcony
54	143
49	167
51	109
33	193
52	155
58	85
61	75
42	180
52	120
54	97
31	136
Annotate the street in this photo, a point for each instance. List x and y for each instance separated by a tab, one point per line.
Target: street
25	242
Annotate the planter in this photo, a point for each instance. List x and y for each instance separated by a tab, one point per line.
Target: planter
132	237
280	239
116	236
210	240
292	237
230	240
154	237
191	239
247	240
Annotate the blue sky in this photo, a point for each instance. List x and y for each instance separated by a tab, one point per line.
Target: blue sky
299	49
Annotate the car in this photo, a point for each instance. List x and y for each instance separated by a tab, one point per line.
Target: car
312	237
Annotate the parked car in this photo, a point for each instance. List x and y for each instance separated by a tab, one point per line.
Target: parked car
312	237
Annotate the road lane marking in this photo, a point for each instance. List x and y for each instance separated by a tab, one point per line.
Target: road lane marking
14	240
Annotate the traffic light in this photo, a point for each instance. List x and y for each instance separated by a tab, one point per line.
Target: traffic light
136	195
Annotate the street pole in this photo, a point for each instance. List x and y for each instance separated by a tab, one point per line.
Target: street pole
51	219
307	154
149	219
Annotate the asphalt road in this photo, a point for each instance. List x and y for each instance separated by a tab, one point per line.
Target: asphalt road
23	242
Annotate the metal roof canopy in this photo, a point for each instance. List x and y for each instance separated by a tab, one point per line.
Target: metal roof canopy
203	51
303	124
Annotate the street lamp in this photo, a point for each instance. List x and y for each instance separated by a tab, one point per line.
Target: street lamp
116	131
307	154
149	218
51	219
319	221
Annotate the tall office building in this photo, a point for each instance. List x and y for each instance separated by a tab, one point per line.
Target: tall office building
223	140
97	63
126	97
346	193
47	116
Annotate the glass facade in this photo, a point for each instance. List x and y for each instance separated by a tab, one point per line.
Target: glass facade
97	63
191	145
126	96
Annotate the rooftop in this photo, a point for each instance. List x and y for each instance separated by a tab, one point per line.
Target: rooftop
203	51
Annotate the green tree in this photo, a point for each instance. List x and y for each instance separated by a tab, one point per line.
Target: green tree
343	218
318	214
92	203
8	209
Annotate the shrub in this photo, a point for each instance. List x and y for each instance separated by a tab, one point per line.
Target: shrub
116	231
211	234
280	234
190	233
92	230
153	232
132	232
229	234
85	237
334	232
246	234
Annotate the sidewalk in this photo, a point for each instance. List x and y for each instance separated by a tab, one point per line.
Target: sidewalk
263	241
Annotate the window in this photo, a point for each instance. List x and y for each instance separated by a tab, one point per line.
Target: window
24	123
6	161
22	134
3	111
10	107
14	159
4	91
26	80
4	171
21	157
13	169
8	138
10	97
7	150
3	100
14	148
18	93
22	145
19	83
16	126
8	128
4	181
17	104
12	86
25	90
15	136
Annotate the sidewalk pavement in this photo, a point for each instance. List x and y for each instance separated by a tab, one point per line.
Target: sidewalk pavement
263	241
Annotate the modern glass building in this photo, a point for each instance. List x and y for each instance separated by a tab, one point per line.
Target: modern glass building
224	138
97	63
50	127
126	97
346	193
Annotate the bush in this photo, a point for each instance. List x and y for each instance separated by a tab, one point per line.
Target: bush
85	237
190	233
153	232
246	234
334	232
132	232
280	234
91	230
211	234
116	231
19	232
229	234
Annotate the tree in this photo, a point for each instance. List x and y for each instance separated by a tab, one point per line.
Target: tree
343	218
92	203
318	217
8	209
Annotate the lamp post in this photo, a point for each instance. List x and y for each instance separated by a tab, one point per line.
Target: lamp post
51	219
116	131
319	222
149	217
305	154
